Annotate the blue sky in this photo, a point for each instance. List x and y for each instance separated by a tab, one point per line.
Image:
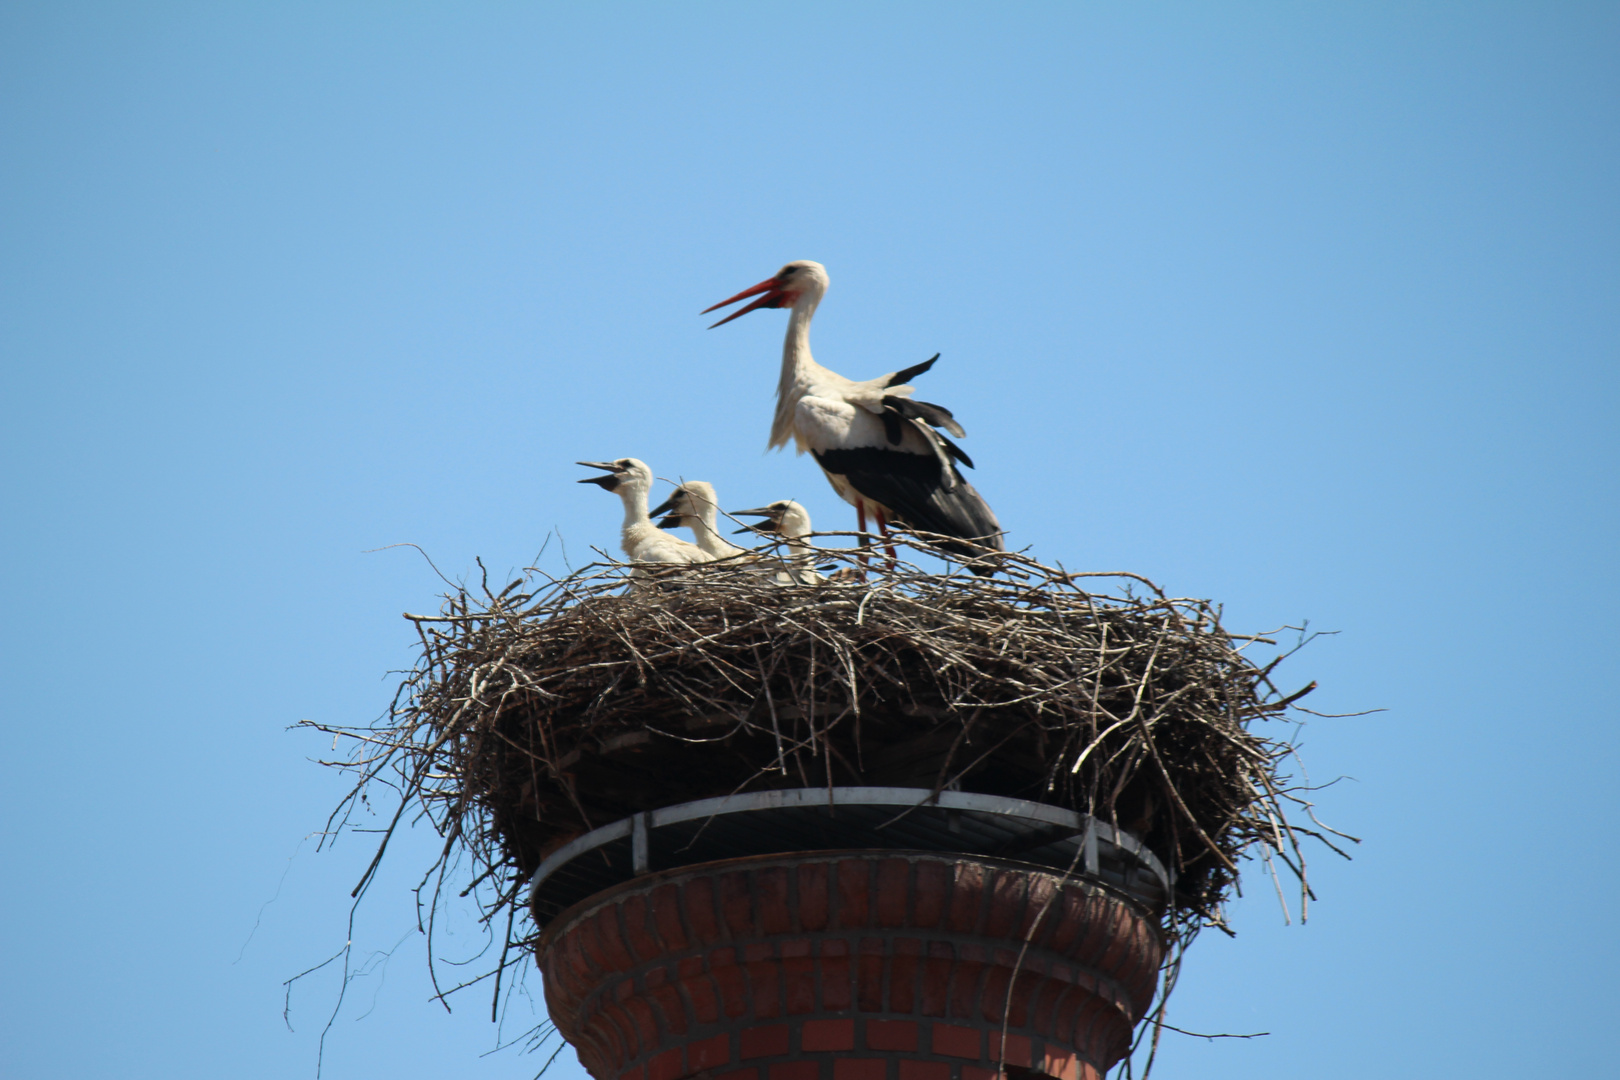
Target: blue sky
1310	309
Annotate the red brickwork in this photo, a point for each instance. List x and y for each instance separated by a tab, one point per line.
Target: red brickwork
862	965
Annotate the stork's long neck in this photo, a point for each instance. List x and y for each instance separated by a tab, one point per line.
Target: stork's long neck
705	526
799	553
800	557
799	369
637	523
792	527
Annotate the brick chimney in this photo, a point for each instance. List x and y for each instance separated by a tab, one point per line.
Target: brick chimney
865	964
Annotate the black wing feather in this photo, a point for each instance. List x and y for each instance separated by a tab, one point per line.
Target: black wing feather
911	485
926	411
905	375
893	426
955	451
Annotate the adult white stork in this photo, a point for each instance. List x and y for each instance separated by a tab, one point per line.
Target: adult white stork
643	542
877	446
791	522
694	506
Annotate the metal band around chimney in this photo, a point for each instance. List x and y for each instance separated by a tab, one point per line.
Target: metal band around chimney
909	818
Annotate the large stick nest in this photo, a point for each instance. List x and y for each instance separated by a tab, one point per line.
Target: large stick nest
553	706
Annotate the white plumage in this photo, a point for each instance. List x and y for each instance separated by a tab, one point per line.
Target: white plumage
790	521
877	446
642	541
695	506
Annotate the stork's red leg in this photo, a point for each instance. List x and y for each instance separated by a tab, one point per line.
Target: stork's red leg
883	530
860	516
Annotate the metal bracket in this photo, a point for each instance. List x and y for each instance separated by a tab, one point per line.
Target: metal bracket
638	844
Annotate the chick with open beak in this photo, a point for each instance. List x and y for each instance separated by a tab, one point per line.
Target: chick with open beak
614	471
790	521
641	540
784	517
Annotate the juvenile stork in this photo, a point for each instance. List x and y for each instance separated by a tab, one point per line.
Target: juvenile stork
694	506
878	447
643	542
791	522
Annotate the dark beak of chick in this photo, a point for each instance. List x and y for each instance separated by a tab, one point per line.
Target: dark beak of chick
606	483
762	527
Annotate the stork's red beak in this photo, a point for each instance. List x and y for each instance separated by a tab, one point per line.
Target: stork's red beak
774	297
